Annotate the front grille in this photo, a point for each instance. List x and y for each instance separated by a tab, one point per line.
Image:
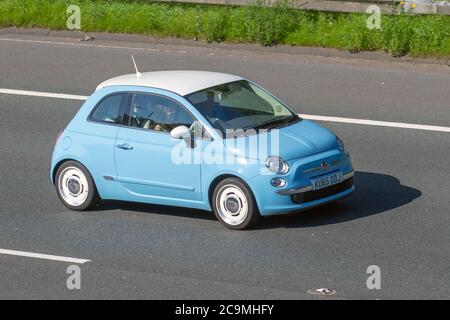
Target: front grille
322	193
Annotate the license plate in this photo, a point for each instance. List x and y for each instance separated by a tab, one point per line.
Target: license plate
326	180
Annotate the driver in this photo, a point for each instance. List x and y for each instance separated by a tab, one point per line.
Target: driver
164	118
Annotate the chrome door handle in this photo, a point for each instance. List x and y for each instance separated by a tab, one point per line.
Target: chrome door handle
124	146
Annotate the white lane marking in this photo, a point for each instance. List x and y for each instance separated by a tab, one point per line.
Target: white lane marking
43	94
377	123
42	256
82	44
305	116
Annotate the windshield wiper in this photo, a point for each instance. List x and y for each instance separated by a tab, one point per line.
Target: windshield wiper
285	121
274	122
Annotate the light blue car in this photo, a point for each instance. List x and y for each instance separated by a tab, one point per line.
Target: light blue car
197	139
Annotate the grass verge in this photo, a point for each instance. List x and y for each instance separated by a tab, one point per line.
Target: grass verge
400	34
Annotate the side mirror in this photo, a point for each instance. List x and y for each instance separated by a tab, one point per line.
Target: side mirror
180	132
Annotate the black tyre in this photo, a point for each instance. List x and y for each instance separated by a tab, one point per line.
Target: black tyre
75	187
234	204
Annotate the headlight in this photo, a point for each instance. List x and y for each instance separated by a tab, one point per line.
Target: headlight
341	145
277	165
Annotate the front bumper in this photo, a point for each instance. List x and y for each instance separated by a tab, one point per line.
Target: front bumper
308	188
298	194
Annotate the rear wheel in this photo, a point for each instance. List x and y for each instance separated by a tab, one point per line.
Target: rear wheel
75	186
234	204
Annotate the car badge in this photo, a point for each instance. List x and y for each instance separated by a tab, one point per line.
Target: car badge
324	165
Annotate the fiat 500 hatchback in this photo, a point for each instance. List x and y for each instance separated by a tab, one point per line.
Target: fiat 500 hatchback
196	139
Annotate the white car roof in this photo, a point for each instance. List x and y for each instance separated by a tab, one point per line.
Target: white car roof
181	82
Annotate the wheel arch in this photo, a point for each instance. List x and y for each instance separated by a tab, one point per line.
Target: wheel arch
60	162
222	177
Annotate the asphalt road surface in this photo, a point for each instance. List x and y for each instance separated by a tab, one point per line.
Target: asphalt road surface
398	218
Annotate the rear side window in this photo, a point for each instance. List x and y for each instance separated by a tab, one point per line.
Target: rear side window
110	109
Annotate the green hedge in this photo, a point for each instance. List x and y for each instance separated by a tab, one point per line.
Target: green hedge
400	34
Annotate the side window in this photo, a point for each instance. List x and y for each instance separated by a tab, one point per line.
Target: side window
110	109
158	113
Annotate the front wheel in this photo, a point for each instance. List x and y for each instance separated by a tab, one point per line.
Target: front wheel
75	186
234	204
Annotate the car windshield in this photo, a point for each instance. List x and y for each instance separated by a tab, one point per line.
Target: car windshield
241	105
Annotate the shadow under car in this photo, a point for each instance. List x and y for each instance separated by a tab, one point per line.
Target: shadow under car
375	193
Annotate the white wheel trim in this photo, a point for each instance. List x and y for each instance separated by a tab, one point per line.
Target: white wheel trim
231	193
74	176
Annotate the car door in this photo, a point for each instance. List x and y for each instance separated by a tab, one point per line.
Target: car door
146	154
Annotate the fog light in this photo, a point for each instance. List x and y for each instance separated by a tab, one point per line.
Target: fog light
278	182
